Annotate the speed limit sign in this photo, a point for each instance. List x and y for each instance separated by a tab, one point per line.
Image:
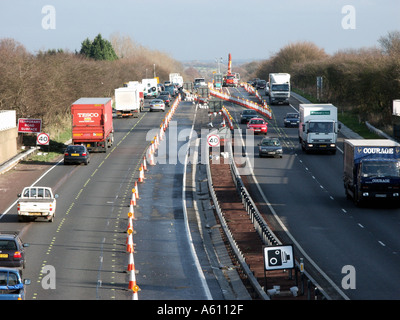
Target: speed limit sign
43	139
213	140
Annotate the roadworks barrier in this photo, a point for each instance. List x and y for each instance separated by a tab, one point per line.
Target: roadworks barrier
263	108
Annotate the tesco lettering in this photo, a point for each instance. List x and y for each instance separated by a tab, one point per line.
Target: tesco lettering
87	115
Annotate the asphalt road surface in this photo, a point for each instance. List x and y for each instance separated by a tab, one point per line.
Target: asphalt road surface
357	248
82	254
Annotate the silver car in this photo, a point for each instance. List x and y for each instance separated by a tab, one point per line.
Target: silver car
270	147
157	105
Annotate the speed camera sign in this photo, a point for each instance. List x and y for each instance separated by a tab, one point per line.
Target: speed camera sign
278	257
43	139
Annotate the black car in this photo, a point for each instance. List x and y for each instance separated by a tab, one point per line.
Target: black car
76	154
291	120
247	114
12	254
166	96
261	84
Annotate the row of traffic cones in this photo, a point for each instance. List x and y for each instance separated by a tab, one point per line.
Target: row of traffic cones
147	159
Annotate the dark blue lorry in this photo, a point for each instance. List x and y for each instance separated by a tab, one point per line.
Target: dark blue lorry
372	170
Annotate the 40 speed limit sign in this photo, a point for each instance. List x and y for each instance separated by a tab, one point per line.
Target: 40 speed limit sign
213	140
43	139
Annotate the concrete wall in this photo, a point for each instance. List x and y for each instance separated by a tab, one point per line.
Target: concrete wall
8	144
8	135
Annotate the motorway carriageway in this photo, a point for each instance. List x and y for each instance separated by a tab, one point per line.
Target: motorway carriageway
85	247
356	248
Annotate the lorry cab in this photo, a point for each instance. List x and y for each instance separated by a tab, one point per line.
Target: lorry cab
199	82
318	127
279	88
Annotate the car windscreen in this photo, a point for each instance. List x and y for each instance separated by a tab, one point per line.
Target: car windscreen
75	149
271	143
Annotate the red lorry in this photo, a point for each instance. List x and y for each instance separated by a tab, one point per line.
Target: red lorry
92	123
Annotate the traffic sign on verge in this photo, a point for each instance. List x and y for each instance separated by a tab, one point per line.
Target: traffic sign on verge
213	140
278	257
43	139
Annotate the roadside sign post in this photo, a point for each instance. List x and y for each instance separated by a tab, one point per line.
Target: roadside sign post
27	125
277	258
43	139
213	140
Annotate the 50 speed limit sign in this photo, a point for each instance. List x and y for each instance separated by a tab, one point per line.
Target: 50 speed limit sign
213	140
43	139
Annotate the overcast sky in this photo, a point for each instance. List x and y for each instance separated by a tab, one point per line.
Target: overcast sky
201	29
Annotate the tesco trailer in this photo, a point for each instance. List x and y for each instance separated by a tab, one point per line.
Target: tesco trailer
92	123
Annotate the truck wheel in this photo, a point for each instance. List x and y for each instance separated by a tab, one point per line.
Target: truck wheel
357	200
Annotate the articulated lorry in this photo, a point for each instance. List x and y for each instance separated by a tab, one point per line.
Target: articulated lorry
279	88
92	123
318	127
129	101
371	170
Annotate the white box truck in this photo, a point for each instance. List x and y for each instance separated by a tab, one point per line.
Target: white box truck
279	88
128	101
150	87
318	127
176	79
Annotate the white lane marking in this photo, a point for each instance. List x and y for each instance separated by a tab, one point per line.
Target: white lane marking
381	243
188	233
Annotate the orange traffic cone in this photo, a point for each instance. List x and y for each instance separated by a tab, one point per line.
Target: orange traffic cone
136	189
129	247
130	223
131	214
133	199
131	264
151	156
132	285
141	174
144	163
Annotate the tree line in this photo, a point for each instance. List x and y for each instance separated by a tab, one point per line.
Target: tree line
361	81
45	84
